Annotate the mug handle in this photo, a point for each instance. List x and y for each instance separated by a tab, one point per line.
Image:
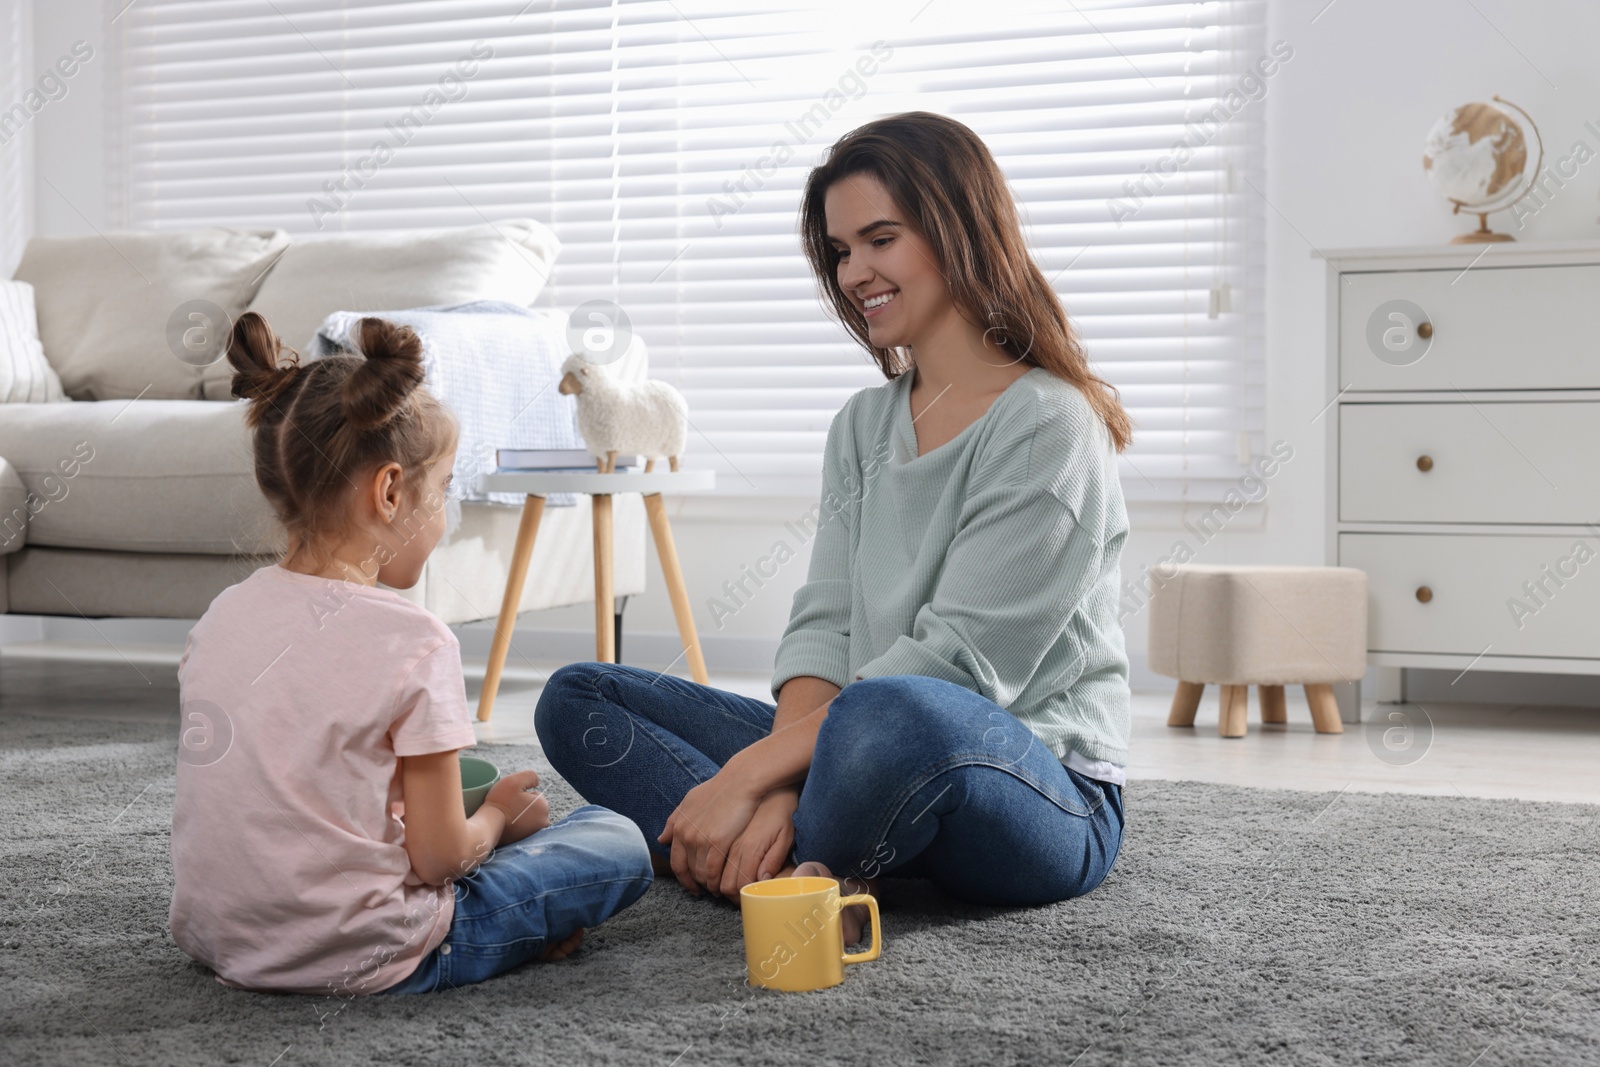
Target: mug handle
877	931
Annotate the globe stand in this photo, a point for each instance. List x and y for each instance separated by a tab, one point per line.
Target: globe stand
1482	235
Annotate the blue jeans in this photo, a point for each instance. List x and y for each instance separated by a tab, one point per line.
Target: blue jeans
576	872
911	776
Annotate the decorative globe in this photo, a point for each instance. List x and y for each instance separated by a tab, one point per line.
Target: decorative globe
1476	155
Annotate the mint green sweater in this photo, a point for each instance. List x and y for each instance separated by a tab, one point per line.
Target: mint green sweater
991	562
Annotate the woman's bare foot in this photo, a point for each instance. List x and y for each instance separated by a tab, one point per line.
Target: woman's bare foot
562	949
853	918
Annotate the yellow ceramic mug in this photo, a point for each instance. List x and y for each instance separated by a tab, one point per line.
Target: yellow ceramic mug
792	939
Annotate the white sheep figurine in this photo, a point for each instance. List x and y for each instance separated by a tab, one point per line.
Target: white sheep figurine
648	417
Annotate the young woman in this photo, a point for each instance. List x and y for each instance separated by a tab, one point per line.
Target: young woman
952	687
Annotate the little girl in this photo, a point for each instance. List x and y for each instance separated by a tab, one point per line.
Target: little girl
318	707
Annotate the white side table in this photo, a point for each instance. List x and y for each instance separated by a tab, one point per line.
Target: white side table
600	487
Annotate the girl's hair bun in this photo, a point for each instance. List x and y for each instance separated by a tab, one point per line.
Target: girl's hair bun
253	351
379	388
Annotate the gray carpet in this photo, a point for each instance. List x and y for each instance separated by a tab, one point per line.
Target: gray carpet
1238	926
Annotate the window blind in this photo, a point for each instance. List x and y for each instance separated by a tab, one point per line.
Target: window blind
666	142
16	135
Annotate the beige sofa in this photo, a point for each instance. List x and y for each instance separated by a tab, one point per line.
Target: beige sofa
137	497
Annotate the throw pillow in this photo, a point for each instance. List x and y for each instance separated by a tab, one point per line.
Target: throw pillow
25	376
507	260
123	315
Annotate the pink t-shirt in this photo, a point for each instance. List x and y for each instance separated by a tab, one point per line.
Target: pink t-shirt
298	696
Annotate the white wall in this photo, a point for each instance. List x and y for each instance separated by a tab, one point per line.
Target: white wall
16	142
1346	121
69	133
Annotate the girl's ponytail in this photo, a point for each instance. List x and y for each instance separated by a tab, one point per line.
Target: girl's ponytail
384	382
253	351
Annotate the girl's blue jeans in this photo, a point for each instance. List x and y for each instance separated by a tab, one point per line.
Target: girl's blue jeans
911	776
576	872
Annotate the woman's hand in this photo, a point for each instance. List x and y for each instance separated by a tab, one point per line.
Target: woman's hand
704	826
763	849
526	813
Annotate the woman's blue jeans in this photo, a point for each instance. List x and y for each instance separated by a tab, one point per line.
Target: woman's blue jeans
911	776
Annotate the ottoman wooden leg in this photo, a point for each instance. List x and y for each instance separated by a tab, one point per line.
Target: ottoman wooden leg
1231	712
1185	702
1324	709
1273	706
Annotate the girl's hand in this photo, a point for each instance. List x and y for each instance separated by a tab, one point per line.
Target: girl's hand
526	813
703	827
763	849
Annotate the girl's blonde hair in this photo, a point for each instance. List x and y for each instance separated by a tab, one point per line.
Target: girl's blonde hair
954	195
323	427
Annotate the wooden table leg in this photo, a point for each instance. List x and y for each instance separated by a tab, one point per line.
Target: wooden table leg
668	552
532	510
1185	702
604	624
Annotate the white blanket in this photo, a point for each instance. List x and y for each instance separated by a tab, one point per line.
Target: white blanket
497	366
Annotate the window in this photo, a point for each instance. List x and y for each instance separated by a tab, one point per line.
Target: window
666	143
20	99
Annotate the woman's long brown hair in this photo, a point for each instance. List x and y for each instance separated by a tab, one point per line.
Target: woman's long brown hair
952	192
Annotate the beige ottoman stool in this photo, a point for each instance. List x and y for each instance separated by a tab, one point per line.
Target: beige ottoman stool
1262	626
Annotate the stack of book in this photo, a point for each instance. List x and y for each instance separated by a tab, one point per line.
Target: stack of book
558	459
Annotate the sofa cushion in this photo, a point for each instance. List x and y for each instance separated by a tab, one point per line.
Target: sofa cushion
25	375
15	509
78	581
507	260
140	476
117	312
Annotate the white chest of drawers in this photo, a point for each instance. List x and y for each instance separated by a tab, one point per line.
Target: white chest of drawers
1463	422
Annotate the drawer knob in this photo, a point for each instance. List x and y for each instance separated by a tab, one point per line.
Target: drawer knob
1424	594
1424	330
1424	463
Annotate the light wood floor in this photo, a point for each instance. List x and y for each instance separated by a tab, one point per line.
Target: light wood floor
1532	753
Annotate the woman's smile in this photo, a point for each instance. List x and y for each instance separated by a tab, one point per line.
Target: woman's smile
875	303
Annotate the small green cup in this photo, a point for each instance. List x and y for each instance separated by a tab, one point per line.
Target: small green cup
477	777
